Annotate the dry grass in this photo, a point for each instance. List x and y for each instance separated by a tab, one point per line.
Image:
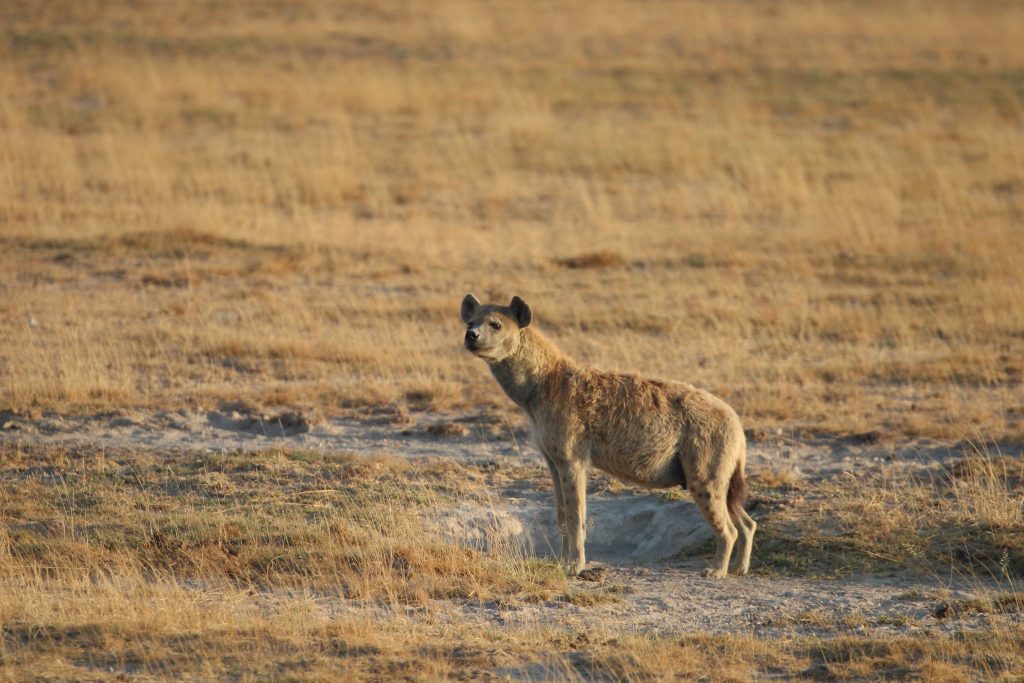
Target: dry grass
965	521
307	566
342	524
99	631
178	564
813	209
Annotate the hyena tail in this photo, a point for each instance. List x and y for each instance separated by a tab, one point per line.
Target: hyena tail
737	494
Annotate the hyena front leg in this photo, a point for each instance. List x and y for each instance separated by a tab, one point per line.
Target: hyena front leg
574	493
556	482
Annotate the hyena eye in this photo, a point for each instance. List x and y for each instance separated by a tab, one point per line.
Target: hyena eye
496	326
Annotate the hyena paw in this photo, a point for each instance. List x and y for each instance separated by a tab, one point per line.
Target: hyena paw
572	568
713	573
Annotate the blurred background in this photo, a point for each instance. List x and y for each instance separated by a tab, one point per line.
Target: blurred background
814	209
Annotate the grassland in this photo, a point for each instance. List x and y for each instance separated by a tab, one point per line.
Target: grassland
306	566
814	209
963	520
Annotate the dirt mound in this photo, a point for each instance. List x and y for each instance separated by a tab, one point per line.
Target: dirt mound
624	530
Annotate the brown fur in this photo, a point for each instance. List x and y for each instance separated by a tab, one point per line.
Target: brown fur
737	494
649	432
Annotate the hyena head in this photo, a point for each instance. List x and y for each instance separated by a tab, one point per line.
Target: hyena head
493	331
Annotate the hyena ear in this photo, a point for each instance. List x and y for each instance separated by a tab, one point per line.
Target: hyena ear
469	305
520	311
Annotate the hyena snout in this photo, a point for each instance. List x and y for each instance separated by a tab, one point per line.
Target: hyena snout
472	339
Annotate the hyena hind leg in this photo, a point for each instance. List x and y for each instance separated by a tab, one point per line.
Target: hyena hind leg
715	511
747	527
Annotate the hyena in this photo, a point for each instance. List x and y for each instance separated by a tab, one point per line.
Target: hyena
646	431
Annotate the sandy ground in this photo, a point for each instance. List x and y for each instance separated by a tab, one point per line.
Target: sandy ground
636	539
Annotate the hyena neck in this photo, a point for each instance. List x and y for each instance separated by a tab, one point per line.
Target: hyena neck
523	373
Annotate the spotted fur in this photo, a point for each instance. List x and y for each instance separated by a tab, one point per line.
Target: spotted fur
650	432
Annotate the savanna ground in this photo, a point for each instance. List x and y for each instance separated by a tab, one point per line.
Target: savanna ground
235	234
